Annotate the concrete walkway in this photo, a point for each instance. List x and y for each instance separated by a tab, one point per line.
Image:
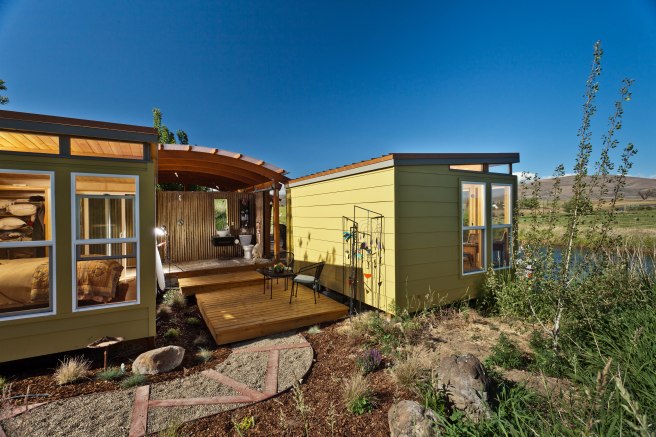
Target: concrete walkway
255	371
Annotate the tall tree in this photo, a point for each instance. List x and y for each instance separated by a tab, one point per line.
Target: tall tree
3	99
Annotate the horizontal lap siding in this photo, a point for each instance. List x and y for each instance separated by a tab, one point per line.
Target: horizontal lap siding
428	258
316	225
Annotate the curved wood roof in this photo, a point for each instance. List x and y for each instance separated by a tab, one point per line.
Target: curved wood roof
213	168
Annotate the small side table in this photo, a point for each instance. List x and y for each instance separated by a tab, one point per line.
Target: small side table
269	275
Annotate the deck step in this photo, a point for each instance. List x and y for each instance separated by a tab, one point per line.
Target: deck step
217	270
219	281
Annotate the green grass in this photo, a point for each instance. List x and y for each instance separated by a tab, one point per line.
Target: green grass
506	354
172	333
134	380
192	321
110	374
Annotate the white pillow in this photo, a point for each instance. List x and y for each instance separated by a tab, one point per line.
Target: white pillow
4	203
24	209
11	223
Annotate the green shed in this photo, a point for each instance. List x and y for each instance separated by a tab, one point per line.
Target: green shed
406	230
77	244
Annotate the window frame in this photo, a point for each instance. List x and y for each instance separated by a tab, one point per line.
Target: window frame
508	226
51	244
81	242
482	228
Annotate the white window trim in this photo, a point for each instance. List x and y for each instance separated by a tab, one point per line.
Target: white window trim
52	244
508	226
474	228
76	243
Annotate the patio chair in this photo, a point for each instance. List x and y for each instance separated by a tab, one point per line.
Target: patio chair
311	279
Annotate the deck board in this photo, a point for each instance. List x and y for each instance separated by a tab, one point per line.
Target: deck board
245	312
217	281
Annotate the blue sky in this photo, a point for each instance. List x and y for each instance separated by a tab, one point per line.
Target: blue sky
310	85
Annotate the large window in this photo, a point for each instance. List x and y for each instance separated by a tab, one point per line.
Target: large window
501	225
106	244
473	227
27	261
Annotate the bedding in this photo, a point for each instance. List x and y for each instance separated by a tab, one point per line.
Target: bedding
27	281
11	223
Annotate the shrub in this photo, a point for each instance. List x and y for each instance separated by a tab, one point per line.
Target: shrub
507	355
174	299
545	358
172	333
110	374
244	425
204	355
71	370
3	381
357	395
369	362
134	380
192	321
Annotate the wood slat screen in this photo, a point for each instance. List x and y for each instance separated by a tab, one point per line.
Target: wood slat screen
189	219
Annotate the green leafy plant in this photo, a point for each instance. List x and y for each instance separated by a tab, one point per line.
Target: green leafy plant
110	374
134	380
3	381
244	425
3	99
313	330
71	370
507	355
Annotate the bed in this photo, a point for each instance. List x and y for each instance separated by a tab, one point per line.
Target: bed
24	283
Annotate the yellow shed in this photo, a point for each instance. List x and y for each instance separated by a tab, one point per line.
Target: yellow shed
406	230
77	244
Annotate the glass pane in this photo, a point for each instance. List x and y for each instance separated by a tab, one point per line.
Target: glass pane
501	247
221	214
25	209
28	143
468	167
117	250
499	168
501	205
473	204
25	280
105	281
473	250
106	149
107	217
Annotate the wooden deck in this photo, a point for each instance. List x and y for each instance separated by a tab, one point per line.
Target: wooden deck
235	307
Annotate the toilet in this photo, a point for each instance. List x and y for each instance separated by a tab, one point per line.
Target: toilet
245	241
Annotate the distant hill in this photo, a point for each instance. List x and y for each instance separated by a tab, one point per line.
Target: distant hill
631	190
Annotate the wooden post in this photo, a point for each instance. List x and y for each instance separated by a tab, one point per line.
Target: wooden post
276	221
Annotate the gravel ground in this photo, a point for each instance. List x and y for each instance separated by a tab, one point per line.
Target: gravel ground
100	414
109	413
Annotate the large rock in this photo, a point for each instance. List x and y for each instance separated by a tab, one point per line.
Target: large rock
163	359
464	379
410	419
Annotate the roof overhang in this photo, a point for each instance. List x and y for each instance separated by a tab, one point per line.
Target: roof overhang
402	159
212	167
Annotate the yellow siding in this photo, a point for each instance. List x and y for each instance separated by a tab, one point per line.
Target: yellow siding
428	252
67	330
316	226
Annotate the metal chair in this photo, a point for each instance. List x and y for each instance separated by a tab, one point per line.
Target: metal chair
311	279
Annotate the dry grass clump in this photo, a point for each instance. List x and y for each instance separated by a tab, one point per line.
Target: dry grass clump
414	367
357	326
356	395
201	340
164	312
71	370
204	354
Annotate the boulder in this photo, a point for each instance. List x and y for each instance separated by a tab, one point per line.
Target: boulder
411	419
463	378
161	360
